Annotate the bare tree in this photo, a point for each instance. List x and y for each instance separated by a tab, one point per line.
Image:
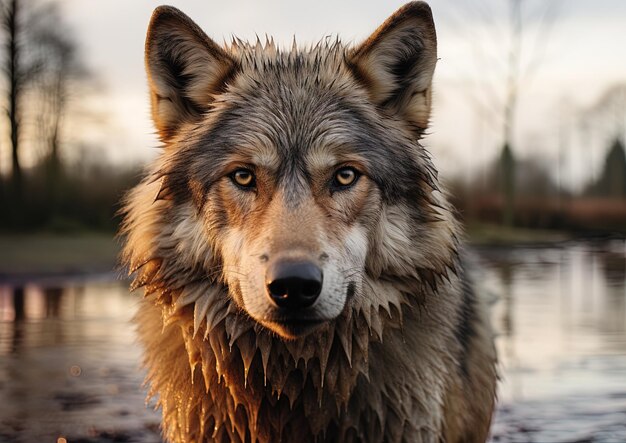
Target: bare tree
62	72
507	158
11	28
19	70
506	70
40	63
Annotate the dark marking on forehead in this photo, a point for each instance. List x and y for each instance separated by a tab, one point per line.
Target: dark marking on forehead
295	184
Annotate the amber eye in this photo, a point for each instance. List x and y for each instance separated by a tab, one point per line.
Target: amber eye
244	178
345	177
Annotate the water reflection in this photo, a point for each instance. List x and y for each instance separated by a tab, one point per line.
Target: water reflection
69	363
613	265
561	325
19	313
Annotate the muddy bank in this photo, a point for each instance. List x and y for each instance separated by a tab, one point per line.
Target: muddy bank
32	257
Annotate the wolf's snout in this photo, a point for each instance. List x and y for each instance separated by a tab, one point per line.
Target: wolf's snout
294	285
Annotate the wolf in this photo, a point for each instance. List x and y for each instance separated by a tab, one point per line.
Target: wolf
303	271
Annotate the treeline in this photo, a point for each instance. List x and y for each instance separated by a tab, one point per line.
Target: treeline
540	202
43	76
78	199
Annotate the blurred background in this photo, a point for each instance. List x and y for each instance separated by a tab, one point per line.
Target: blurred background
528	132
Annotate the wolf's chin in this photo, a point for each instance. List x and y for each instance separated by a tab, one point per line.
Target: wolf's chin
293	330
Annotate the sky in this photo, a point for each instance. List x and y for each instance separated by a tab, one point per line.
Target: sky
577	55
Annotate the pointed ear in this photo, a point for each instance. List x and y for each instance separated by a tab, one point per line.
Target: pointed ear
396	64
185	70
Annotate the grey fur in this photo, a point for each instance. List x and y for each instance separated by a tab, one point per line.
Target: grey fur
405	351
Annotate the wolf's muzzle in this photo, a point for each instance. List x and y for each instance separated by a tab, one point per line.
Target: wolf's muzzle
293	285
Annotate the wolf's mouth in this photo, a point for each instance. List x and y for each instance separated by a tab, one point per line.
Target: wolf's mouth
292	328
296	322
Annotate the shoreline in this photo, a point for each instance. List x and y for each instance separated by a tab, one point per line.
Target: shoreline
47	255
54	257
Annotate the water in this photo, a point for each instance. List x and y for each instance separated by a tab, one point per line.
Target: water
69	365
560	316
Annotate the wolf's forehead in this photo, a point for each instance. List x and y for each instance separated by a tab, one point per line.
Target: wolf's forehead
289	115
325	55
313	155
295	77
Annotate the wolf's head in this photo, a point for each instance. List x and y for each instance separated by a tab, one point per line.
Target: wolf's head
292	178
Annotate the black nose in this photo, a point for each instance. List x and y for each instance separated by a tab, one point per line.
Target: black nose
294	285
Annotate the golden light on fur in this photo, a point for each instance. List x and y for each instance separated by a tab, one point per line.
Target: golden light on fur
303	273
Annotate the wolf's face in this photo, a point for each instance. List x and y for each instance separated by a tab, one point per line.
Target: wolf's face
294	245
283	169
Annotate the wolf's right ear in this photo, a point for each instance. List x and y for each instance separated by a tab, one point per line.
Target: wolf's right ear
185	70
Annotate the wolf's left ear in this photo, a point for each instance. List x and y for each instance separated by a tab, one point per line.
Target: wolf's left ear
396	64
185	69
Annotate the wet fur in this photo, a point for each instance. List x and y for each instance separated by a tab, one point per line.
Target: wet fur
410	355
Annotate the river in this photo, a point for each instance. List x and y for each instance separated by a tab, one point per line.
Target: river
70	367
